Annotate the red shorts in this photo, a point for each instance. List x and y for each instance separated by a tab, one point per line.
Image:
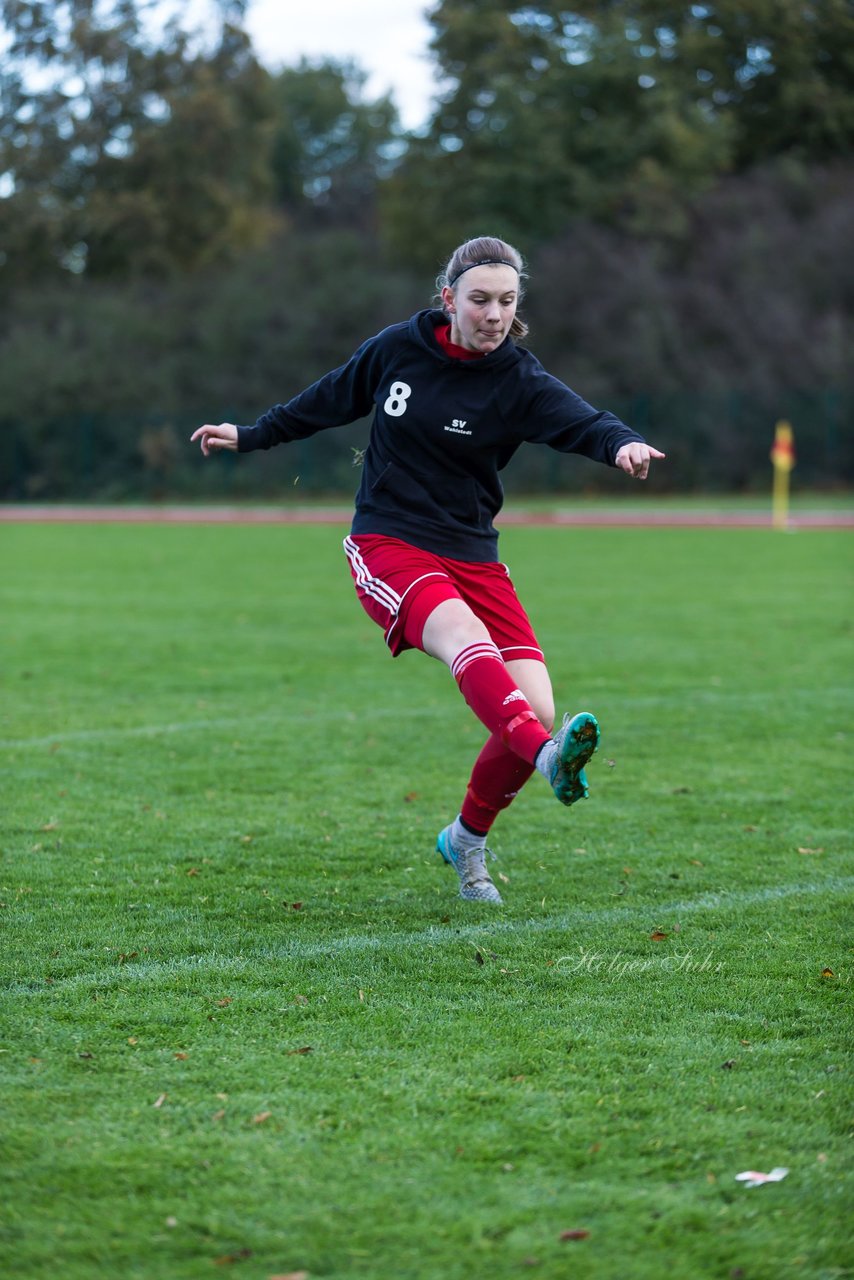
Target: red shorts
400	585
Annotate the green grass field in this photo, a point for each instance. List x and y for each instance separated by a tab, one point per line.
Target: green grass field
249	1028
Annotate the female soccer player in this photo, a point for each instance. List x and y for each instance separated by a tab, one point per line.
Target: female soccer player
453	398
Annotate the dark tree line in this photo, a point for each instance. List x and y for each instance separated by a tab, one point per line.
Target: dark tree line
184	234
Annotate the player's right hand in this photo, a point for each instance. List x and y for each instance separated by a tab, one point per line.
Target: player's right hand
222	436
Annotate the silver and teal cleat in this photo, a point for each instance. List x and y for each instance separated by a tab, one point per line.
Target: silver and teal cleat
576	741
476	884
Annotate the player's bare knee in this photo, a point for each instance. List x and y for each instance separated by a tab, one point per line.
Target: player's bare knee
451	627
544	709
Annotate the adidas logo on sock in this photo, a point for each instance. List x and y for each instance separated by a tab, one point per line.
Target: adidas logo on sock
516	696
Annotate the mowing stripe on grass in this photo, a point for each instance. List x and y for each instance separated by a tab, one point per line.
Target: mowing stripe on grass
565	920
479	930
194	726
835	695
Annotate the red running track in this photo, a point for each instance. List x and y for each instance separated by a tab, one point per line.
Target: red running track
601	517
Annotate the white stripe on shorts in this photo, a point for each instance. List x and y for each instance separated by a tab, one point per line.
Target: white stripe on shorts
522	648
373	587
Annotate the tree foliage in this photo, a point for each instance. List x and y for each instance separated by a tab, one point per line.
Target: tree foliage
331	146
122	151
184	235
781	73
619	110
120	155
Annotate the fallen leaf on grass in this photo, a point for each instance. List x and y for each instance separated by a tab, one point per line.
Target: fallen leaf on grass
753	1179
290	1275
160	1101
132	1040
300	999
228	1258
218	1115
296	906
728	1065
658	935
828	973
800	850
574	1235
182	1057
410	796
226	1000
305	1049
261	1117
503	878
194	871
478	958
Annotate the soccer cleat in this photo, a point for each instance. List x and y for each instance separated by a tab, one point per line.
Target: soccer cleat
476	884
576	742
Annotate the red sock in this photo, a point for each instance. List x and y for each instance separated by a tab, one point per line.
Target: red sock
488	688
497	776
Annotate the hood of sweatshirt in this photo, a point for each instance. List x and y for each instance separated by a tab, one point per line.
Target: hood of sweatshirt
422	328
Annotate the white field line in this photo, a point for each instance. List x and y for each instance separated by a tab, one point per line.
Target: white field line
285	718
479	934
568	920
134	731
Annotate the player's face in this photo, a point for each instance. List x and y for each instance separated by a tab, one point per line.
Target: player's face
482	307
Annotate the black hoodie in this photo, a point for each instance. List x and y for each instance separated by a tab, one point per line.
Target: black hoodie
442	430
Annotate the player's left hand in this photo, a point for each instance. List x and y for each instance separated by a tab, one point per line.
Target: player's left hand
635	458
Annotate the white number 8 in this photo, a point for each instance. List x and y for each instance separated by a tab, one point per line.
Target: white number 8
399	393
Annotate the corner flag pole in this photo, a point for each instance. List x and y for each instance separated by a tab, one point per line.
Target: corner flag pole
783	458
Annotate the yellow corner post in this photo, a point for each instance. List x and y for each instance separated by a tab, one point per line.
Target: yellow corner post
783	458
